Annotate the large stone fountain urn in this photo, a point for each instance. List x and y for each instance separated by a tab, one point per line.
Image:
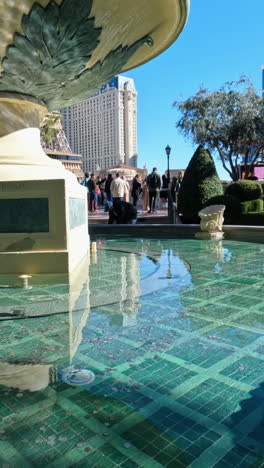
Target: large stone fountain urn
55	53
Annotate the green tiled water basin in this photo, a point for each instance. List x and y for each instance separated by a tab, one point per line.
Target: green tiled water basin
173	331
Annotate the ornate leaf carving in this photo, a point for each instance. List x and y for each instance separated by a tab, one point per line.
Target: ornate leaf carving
48	61
91	79
57	43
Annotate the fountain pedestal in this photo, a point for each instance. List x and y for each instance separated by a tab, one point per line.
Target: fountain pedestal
43	223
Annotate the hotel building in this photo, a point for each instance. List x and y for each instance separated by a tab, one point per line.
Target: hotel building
103	127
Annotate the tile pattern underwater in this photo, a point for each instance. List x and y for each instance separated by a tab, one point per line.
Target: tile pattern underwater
175	338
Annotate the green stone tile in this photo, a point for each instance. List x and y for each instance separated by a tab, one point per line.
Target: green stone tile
172	450
170	366
251	320
129	464
200	353
237	336
175	463
223	464
242	301
163	458
249	370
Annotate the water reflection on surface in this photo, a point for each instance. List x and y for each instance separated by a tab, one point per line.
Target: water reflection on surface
48	330
172	330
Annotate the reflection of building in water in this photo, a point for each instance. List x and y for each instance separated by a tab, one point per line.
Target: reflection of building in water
48	331
117	282
130	289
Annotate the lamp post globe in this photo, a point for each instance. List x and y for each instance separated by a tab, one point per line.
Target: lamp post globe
168	150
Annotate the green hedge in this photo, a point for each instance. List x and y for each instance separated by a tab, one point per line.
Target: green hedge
253	205
244	190
233	207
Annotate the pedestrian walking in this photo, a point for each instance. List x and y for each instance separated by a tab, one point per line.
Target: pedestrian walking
178	185
85	184
127	188
117	188
173	189
93	195
136	189
164	189
99	190
145	195
153	183
179	181
107	187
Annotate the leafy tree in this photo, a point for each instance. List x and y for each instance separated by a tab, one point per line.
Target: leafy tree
200	184
229	121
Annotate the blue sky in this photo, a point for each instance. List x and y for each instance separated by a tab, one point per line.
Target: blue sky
221	40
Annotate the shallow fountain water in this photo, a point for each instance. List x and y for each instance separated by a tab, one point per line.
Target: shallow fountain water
173	331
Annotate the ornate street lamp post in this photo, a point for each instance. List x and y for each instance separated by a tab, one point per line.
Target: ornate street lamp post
168	150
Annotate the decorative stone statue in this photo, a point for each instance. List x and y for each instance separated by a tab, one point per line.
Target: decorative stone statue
212	219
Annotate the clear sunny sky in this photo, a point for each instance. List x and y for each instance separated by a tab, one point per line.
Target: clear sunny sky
221	40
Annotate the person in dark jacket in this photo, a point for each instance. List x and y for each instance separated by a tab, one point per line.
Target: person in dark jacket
121	212
93	195
164	188
107	187
85	184
136	189
153	183
100	193
179	182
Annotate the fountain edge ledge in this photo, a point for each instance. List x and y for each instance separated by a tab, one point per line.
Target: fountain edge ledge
232	232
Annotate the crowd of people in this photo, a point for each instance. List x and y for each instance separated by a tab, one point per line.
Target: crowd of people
114	194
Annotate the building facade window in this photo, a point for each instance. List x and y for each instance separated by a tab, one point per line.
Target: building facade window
104	127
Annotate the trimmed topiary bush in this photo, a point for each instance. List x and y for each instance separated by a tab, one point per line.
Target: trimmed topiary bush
233	207
258	205
246	206
244	190
200	183
252	205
